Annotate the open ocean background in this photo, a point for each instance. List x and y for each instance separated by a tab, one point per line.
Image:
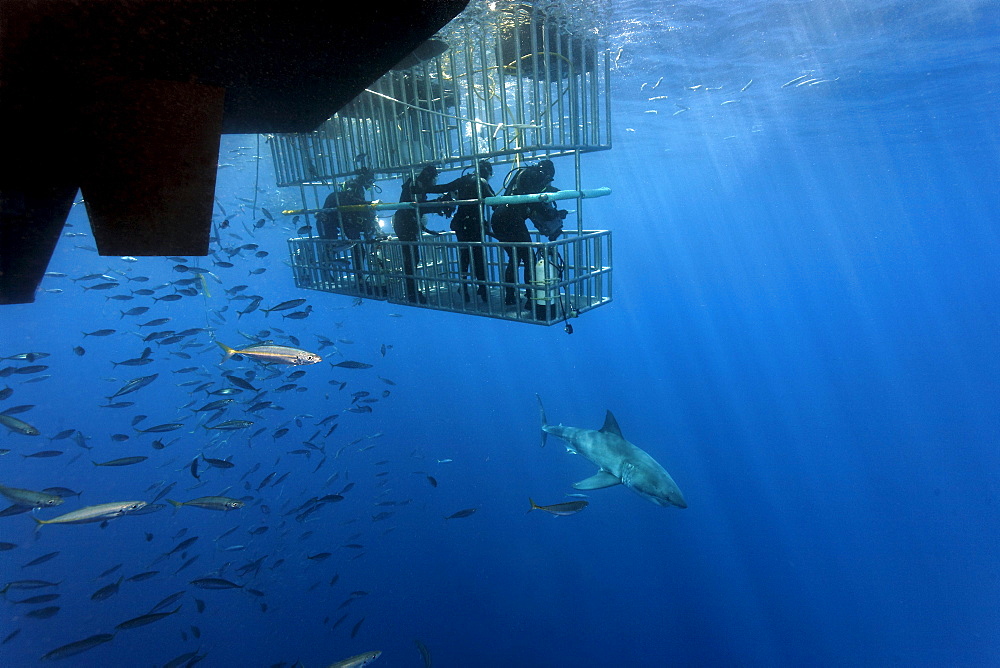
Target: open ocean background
804	333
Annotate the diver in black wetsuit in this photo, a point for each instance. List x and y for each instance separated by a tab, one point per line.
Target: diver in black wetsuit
408	223
349	224
471	223
509	225
355	225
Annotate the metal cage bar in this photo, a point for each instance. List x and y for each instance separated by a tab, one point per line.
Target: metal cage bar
468	102
516	82
578	280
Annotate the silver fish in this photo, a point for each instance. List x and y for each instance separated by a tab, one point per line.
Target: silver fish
98	513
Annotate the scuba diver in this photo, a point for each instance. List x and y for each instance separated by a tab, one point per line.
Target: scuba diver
354	225
408	223
470	224
349	224
509	224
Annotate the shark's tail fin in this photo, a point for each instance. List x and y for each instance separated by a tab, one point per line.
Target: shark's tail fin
541	410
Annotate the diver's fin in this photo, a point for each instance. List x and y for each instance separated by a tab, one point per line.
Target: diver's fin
599	480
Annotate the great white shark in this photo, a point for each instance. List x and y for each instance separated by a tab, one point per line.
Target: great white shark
620	462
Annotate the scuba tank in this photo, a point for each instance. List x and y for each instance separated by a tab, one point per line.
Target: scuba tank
548	271
525	180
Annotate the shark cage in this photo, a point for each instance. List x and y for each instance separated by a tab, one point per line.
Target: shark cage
508	83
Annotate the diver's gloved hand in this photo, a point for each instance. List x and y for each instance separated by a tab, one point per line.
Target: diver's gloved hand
555	235
562	213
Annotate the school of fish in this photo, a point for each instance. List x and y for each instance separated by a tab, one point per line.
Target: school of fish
206	409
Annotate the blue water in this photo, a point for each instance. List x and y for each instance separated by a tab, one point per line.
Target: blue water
804	333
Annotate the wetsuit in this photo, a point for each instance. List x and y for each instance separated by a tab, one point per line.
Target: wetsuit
469	225
407	223
509	225
355	225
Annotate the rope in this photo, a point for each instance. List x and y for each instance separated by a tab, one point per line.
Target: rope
256	181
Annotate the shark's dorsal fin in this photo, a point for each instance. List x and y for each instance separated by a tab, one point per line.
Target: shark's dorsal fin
611	425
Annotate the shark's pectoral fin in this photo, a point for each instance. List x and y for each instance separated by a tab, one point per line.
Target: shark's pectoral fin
599	480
